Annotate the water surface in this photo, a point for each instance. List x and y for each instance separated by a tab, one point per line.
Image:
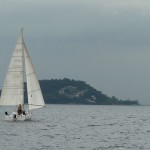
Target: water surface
79	127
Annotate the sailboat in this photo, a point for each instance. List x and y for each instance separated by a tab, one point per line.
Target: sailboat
21	69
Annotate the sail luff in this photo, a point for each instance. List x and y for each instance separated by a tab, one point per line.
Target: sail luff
13	88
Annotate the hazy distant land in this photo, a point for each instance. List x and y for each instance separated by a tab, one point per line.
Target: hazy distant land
66	91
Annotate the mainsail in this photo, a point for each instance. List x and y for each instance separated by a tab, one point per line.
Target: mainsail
13	90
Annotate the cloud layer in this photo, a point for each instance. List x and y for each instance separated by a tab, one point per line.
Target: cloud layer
103	42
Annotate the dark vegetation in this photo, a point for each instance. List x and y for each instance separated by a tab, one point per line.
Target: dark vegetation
66	91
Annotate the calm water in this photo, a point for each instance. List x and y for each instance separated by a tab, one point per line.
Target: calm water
79	127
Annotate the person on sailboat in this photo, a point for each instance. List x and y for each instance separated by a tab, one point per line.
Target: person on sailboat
19	110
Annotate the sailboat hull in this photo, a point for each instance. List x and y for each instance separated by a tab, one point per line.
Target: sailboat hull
15	117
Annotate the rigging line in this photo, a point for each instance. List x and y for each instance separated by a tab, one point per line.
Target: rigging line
15	85
36	105
19	49
33	91
17	66
30	73
27	56
15	71
10	87
16	56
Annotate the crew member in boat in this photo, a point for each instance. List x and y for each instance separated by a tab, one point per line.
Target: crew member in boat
19	110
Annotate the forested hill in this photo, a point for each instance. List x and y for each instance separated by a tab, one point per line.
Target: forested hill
68	91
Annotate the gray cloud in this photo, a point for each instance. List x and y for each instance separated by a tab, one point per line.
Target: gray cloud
103	42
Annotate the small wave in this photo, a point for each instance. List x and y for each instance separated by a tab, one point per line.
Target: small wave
44	129
50	136
51	125
112	124
45	147
110	147
94	125
13	134
131	116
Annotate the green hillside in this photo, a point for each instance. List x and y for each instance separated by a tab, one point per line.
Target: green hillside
66	91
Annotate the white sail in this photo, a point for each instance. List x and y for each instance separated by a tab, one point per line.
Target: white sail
13	89
35	97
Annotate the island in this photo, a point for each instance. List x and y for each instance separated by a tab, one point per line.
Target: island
69	91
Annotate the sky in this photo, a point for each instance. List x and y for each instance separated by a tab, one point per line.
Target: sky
105	43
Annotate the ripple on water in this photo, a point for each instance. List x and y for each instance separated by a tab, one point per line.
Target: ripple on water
86	128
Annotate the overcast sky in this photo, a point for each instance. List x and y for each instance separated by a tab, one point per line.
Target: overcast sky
103	42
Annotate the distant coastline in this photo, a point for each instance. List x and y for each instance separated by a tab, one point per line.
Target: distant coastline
67	91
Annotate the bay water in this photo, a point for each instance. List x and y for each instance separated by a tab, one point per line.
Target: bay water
79	127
